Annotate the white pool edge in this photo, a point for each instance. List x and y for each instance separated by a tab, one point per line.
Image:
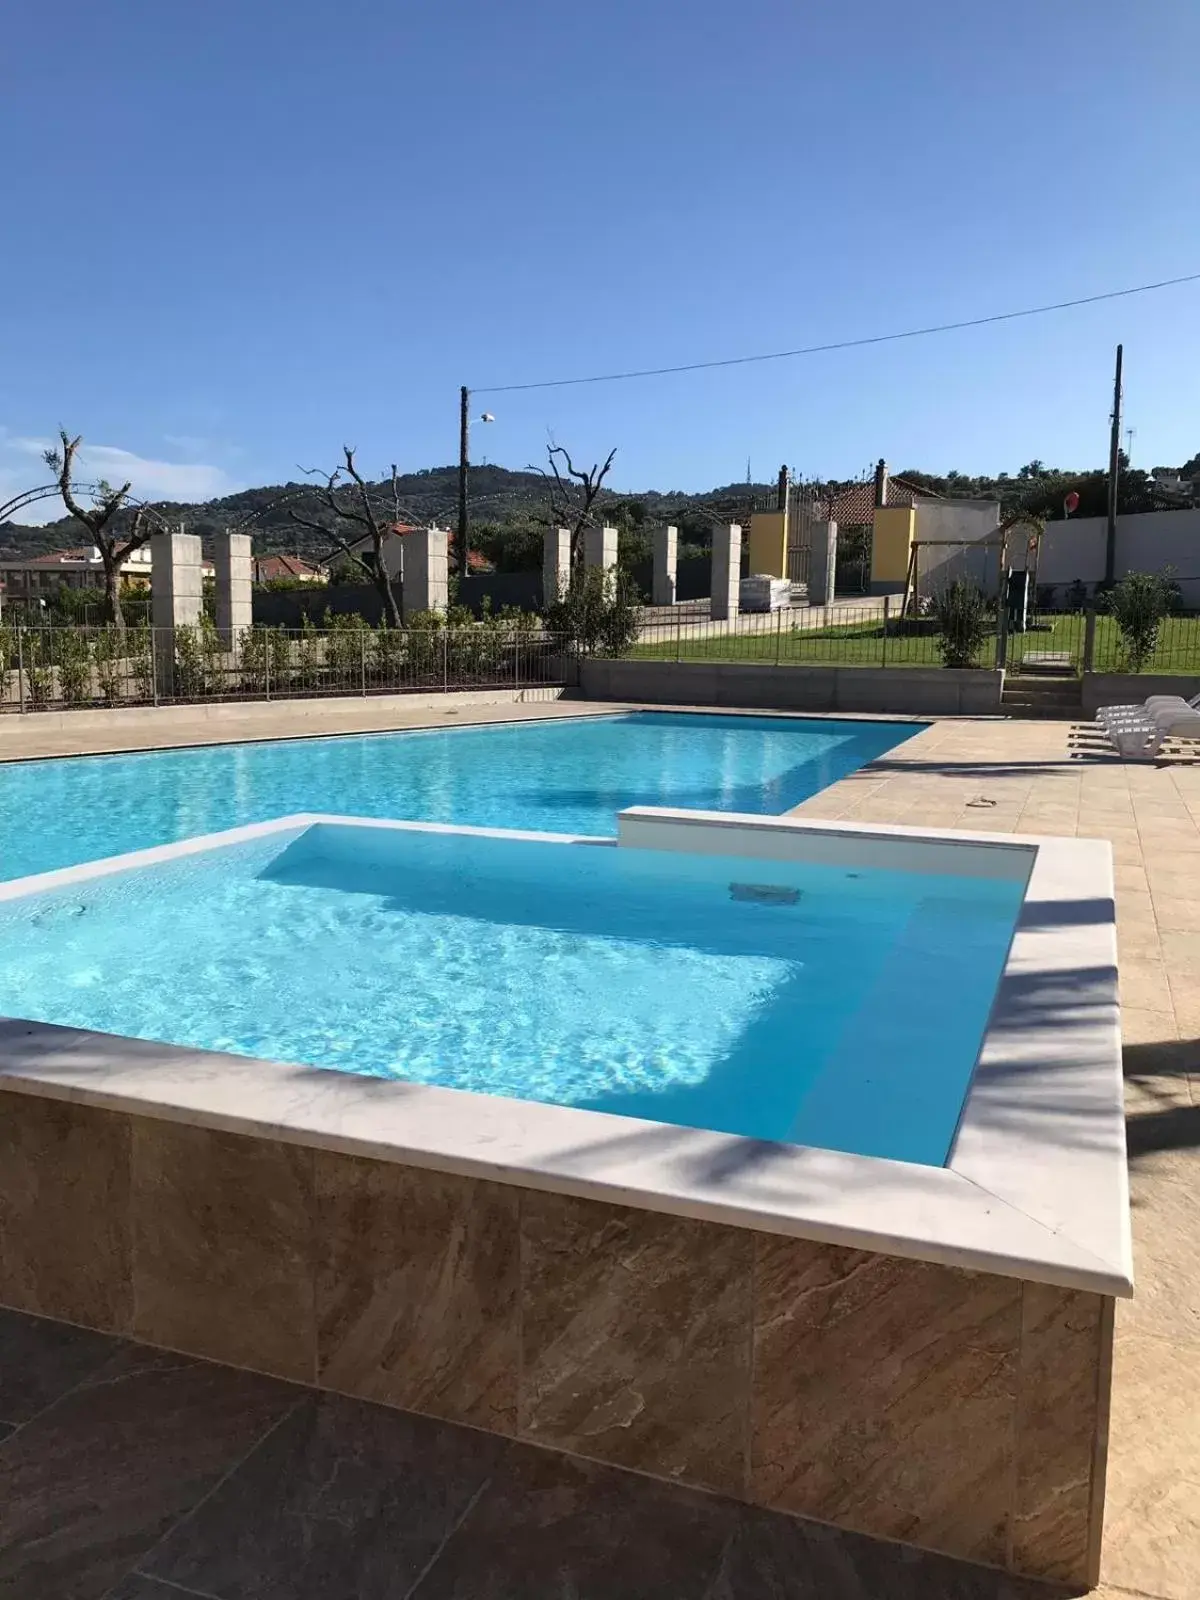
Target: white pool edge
1036	1187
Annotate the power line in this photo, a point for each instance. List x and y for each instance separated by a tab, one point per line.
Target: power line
843	344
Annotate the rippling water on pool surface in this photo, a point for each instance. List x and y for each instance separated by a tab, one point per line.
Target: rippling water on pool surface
567	776
780	1001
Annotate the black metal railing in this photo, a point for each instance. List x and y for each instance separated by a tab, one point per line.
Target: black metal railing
47	668
870	634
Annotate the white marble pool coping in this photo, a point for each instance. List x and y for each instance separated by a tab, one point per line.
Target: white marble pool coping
1036	1186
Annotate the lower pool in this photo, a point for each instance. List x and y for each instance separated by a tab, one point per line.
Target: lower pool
569	775
795	1001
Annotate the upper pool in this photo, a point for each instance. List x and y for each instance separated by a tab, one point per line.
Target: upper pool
570	775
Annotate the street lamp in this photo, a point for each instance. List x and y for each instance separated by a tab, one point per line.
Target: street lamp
464	432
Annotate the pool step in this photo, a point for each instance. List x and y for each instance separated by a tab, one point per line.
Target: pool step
1029	695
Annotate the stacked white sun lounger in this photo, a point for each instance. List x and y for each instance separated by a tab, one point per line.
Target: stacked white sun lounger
1140	731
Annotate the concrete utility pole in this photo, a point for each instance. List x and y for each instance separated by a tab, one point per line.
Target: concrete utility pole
464	467
464	433
1114	467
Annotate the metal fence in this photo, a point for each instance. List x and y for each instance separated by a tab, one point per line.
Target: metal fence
1176	647
873	634
50	668
868	635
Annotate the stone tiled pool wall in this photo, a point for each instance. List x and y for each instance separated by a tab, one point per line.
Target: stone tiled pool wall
950	1408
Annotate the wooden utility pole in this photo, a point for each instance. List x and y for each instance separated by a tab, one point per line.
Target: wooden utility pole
1114	467
464	429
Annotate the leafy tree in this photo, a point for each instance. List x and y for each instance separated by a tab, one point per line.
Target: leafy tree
963	621
1138	603
510	546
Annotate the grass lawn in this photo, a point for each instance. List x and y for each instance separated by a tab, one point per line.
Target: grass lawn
862	644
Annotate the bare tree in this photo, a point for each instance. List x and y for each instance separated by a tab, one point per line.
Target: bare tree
118	524
350	504
573	494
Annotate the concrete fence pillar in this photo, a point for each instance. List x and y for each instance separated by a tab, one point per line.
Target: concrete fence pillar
426	570
556	564
666	544
176	580
176	597
822	563
726	572
234	577
600	548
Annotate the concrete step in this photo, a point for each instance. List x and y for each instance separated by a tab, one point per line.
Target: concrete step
1050	698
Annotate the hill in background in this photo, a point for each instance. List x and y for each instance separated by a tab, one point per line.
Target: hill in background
499	498
508	508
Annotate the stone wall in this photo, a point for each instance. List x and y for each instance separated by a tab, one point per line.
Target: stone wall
961	1411
915	691
1132	688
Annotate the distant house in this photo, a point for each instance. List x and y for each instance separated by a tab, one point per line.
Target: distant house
1173	488
855	507
393	551
269	569
79	568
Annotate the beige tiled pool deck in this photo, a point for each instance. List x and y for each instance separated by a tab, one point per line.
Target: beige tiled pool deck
1032	777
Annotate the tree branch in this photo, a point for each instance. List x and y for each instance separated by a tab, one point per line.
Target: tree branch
340	545
97	518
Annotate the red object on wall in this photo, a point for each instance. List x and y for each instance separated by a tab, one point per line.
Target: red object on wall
1070	502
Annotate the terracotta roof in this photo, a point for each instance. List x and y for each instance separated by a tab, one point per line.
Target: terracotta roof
268	567
476	560
856	505
85	555
54	558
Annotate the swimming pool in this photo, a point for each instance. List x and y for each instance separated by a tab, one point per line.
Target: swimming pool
774	1001
773	1320
568	775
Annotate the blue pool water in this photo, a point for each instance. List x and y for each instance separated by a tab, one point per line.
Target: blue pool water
648	984
568	776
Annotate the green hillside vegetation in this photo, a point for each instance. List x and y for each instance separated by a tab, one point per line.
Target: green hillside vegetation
508	509
501	500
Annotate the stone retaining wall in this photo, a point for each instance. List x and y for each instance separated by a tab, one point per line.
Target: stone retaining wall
917	691
962	1411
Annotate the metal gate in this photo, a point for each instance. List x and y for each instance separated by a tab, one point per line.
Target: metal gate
803	511
848	503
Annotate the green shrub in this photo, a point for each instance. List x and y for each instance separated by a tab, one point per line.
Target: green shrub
598	614
108	651
74	665
264	663
1138	603
138	650
424	645
36	650
198	651
346	647
964	622
308	656
389	656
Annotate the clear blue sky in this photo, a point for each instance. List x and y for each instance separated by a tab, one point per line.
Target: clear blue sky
241	232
